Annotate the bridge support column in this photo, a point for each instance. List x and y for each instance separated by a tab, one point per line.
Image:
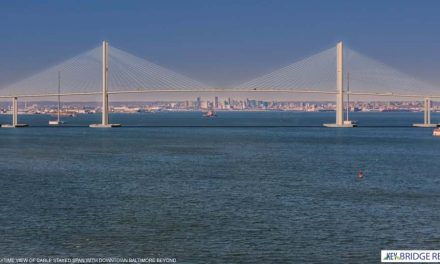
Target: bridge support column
14	111
426	114
105	108
340	84
340	89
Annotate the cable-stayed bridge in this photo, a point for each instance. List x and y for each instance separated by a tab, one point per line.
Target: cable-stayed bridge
106	70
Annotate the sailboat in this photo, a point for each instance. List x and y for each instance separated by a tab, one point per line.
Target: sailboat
348	121
210	113
58	120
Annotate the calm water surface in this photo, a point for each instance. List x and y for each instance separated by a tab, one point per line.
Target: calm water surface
251	189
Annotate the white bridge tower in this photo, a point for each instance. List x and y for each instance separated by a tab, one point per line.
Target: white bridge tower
105	107
340	122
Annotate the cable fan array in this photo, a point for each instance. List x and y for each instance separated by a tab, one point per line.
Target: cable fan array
82	74
318	73
127	72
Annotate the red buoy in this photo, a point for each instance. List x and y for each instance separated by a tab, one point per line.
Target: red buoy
360	175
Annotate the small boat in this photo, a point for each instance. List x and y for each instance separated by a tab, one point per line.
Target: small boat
351	123
436	132
210	113
55	122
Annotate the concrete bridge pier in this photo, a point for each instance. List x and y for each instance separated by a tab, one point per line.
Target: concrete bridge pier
426	115
14	115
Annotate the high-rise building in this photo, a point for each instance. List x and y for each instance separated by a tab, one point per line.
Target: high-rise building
216	102
198	103
204	105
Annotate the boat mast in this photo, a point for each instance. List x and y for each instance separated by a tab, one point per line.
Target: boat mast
59	97
348	95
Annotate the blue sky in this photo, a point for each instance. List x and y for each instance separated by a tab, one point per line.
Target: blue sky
220	41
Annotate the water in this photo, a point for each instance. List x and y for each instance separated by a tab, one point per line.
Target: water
240	119
253	189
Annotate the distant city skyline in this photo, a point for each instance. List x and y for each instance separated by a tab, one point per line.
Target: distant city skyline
219	42
217	104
